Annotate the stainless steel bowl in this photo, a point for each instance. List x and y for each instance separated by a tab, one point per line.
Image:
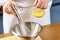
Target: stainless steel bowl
26	29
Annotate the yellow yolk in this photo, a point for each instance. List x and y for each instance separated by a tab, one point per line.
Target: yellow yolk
38	13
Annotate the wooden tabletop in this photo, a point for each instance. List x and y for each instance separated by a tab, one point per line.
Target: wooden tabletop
48	32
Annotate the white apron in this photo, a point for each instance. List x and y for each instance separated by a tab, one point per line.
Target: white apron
10	20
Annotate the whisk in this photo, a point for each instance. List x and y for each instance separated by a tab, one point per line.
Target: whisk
21	23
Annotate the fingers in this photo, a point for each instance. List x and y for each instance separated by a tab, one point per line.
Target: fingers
10	10
42	4
38	4
46	4
7	8
36	1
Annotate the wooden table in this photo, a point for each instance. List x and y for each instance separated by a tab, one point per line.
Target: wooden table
48	32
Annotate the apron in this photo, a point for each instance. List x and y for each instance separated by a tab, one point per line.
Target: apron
9	20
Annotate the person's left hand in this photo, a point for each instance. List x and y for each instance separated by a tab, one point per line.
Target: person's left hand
43	4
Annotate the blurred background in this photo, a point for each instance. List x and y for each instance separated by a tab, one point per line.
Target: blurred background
55	14
1	20
55	11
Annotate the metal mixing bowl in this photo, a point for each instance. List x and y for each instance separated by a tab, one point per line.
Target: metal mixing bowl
26	29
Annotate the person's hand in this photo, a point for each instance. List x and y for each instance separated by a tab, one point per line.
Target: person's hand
43	4
7	8
39	3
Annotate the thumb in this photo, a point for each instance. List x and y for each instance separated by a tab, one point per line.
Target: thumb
35	3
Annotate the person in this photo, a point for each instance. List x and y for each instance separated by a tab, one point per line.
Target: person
9	16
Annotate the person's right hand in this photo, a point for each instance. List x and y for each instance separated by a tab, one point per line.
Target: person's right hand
7	8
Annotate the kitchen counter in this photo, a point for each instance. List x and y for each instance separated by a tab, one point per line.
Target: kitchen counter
48	32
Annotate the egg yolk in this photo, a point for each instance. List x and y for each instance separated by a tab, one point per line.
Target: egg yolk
38	13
